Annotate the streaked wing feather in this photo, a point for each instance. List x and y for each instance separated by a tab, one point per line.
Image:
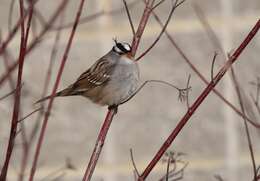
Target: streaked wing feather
96	75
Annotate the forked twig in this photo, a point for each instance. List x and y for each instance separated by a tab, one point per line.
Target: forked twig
129	18
175	5
181	91
112	110
46	116
199	100
249	141
216	43
133	163
254	123
86	19
36	40
16	108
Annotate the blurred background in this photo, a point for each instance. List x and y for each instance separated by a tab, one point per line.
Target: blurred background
214	140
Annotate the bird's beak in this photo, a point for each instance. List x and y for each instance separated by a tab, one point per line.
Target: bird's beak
129	55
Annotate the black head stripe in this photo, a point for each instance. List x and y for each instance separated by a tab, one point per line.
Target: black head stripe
122	48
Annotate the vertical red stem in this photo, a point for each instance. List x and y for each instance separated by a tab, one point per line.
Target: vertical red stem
46	116
98	146
17	98
199	100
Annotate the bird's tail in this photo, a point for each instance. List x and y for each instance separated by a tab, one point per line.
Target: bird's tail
65	92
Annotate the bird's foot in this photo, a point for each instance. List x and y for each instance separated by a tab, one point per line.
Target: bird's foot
113	107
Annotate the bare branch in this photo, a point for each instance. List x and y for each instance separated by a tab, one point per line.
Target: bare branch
16	108
133	163
46	116
199	100
181	91
31	113
250	146
176	4
187	95
112	110
7	95
158	4
189	62
212	65
129	18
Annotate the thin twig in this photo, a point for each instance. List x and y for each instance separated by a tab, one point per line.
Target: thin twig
187	99
133	163
36	40
86	19
14	30
212	65
157	81
10	14
7	95
167	169
129	17
16	108
31	113
46	116
141	27
238	91
209	31
112	110
189	62
175	5
257	96
199	100
7	59
215	41
158	4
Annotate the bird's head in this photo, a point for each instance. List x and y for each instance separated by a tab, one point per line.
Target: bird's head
122	48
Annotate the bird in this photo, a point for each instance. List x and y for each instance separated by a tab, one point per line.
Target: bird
110	81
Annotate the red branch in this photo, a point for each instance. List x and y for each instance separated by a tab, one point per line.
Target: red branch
254	123
99	144
141	27
199	100
16	109
110	114
36	40
46	116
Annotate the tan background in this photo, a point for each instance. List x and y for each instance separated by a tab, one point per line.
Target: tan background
214	139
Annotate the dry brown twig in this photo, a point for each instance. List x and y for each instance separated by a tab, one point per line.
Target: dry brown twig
241	103
173	172
86	19
112	110
257	96
16	109
136	172
46	116
193	67
216	44
199	100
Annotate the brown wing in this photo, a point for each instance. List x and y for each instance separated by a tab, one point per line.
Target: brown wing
96	75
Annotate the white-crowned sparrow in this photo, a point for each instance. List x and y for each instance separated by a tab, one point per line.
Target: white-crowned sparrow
110	80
